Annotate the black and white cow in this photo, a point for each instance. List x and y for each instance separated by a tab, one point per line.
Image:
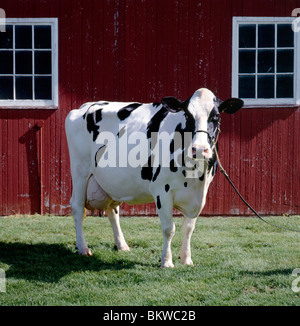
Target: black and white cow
141	153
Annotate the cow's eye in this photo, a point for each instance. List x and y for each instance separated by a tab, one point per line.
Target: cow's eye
216	117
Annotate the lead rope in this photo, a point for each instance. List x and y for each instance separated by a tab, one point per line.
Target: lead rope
242	198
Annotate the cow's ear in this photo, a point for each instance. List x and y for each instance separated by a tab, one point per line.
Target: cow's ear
231	105
172	104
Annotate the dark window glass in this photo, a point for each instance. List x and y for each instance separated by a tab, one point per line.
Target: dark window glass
266	36
24	88
23	62
23	37
43	88
43	62
42	37
6	88
6	62
6	39
285	61
247	86
285	36
246	61
266	61
247	36
285	86
265	87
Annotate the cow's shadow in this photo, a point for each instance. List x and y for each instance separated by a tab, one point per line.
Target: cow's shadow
50	262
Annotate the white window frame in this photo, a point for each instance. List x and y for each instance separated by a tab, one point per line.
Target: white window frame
260	102
32	104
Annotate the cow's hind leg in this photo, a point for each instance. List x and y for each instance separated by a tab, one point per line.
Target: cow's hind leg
77	203
187	231
114	220
164	205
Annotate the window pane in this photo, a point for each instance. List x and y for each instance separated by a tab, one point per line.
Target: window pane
265	87
43	62
23	37
266	61
285	35
266	36
6	88
42	37
6	38
43	88
285	86
6	62
247	36
285	61
23	62
247	86
246	61
24	88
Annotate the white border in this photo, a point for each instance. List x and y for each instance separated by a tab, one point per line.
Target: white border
235	45
39	104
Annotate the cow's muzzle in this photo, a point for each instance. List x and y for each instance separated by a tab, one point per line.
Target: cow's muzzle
201	152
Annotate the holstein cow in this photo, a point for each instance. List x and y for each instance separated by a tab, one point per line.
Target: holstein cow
117	156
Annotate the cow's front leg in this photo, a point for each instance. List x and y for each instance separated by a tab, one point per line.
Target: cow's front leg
114	220
187	231
164	207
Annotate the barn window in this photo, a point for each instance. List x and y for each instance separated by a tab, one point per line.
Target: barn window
264	61
29	63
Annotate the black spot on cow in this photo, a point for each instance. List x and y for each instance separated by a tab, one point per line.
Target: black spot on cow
92	119
156	173
180	133
167	187
158	203
156	104
154	124
95	104
213	163
185	184
125	112
184	173
202	177
173	168
147	170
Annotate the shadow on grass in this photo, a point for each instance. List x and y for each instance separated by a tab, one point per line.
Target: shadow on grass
276	272
50	262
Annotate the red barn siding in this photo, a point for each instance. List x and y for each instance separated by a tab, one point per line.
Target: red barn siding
143	50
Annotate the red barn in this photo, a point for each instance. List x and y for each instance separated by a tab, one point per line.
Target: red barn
57	54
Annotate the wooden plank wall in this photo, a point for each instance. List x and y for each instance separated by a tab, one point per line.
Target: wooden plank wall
143	50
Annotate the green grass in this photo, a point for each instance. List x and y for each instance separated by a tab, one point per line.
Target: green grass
238	261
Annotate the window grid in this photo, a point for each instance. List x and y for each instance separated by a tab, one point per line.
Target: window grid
33	51
48	78
257	48
288	82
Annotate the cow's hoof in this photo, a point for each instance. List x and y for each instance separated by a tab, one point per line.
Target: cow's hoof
85	252
121	248
187	262
124	248
167	265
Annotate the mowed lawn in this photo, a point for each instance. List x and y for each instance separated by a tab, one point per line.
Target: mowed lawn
237	261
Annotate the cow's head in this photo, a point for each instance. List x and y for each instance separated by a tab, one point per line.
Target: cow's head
204	109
